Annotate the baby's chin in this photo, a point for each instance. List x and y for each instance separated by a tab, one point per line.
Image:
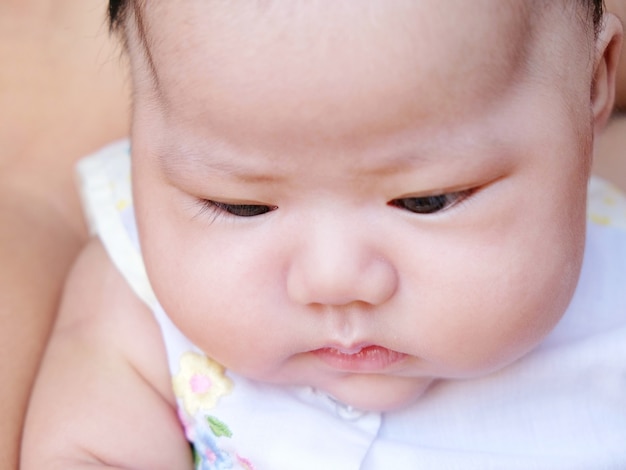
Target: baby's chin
378	393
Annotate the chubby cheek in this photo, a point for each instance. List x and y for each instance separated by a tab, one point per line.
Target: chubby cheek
507	297
218	296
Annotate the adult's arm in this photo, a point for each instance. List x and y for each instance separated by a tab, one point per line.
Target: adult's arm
62	95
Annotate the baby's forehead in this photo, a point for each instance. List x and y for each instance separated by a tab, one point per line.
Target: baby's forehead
481	34
493	27
319	60
318	18
322	13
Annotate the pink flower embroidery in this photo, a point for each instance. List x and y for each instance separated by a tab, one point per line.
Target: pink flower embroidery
245	463
200	382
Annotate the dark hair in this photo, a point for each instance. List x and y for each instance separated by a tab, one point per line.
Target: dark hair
597	10
118	8
117	13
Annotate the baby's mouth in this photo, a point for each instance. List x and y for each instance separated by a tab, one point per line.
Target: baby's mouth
370	358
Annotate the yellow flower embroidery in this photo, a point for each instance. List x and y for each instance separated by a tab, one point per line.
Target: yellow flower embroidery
607	205
200	382
600	219
122	204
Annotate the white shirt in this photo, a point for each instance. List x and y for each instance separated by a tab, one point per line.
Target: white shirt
562	406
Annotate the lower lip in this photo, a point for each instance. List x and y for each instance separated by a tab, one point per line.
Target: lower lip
367	359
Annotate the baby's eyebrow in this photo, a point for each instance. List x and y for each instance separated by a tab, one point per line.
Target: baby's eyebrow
178	164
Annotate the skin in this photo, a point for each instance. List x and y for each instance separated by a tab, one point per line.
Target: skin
610	160
325	129
610	157
618	7
57	63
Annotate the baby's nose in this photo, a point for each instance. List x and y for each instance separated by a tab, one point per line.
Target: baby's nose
338	265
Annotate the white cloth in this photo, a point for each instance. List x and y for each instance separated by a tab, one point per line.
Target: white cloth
563	406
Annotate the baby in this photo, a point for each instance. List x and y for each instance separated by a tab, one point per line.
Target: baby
364	245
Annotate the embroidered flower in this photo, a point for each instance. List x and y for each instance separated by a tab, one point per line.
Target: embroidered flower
188	424
245	463
200	382
606	205
208	451
600	219
122	204
208	456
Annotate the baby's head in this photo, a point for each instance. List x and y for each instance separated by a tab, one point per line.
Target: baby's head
365	196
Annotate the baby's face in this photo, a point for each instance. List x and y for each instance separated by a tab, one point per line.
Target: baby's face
362	197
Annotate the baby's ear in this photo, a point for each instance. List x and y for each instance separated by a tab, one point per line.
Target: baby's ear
608	46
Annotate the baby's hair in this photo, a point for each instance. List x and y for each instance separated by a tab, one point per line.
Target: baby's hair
596	10
117	13
118	10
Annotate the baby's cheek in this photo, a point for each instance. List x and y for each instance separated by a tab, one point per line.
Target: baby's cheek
531	312
498	315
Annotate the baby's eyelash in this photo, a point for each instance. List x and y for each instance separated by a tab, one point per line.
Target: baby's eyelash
423	205
236	210
431	204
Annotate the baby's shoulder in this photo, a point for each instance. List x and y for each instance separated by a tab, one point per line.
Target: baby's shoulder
97	301
106	193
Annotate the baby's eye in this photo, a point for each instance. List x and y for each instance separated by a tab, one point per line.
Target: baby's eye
241	210
429	204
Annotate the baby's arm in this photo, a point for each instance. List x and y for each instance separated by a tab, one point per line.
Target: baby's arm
103	397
